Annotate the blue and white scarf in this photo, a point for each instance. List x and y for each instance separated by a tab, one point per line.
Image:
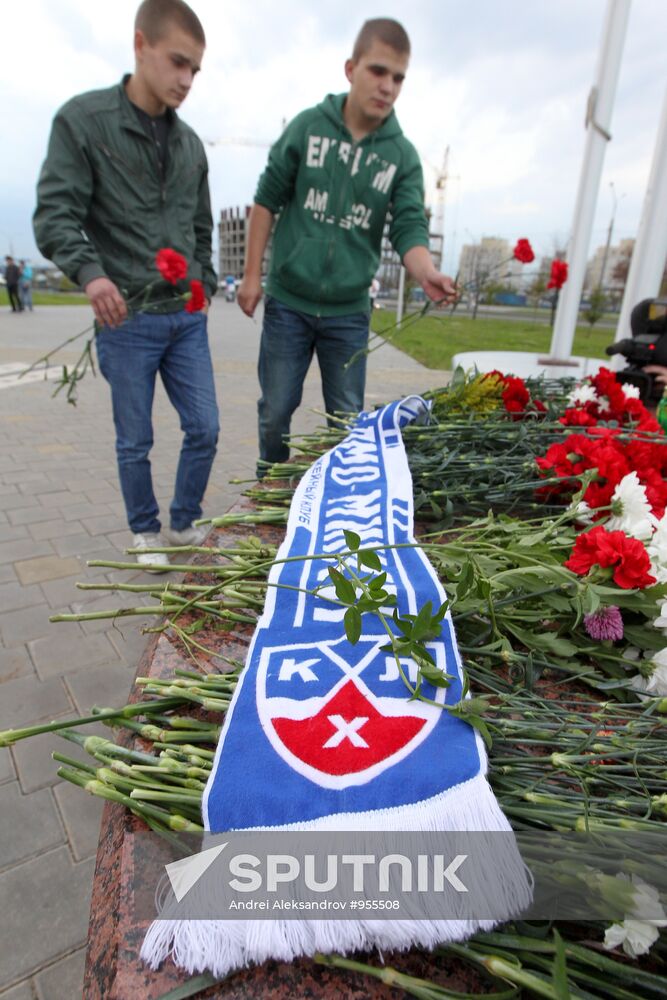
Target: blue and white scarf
321	734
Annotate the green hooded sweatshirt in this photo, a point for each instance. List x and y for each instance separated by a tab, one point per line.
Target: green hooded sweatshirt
333	195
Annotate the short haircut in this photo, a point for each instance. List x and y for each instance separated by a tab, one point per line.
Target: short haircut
382	29
155	16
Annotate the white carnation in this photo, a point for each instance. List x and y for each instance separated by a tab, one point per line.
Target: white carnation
583	394
638	933
634	517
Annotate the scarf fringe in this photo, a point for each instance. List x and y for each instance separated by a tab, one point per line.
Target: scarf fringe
222	946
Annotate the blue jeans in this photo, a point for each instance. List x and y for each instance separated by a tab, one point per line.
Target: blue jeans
130	356
25	292
289	339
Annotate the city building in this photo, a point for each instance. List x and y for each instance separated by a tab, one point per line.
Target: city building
608	268
490	261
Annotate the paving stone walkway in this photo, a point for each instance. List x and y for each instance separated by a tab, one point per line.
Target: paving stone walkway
60	506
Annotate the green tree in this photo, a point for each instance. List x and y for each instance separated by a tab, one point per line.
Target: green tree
596	307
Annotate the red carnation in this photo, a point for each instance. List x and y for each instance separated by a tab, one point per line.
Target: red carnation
558	275
603	380
577	418
524	252
627	556
515	395
197	299
570	458
633	410
172	265
495	374
646	454
656	489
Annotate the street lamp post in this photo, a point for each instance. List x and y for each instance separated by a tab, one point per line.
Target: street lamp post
609	232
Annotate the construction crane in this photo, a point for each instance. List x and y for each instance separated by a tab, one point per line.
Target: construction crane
243	141
238	142
441	178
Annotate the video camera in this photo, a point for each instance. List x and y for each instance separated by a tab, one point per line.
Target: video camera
647	346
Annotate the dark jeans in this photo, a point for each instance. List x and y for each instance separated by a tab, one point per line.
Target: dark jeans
289	339
130	357
14	299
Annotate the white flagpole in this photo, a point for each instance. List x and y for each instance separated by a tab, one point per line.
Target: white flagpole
598	119
650	252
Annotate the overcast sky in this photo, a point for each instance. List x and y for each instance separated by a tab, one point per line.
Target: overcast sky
503	84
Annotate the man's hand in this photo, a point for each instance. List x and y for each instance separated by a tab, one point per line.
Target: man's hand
659	371
249	294
107	302
440	288
419	265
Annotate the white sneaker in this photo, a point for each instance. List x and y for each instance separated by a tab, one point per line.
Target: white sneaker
150	540
194	535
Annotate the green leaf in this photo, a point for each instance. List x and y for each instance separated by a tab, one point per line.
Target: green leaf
191	987
471	706
379	597
435	676
370	559
645	638
345	590
559	973
465	580
366	604
442	611
378	582
534	538
590	600
546	642
404	624
421	654
352	621
196	626
422	624
352	540
477	722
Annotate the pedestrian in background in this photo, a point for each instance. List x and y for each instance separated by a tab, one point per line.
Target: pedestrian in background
12	278
25	284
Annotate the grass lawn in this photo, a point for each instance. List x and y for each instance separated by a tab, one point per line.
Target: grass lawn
433	339
49	298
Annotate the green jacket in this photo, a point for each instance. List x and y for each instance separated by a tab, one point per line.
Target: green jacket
103	209
333	195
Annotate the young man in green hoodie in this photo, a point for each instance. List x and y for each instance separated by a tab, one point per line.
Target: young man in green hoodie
333	176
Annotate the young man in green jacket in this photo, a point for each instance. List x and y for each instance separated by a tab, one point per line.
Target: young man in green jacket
124	177
333	176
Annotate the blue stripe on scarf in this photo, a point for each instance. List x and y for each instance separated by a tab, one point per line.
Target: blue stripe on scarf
311	710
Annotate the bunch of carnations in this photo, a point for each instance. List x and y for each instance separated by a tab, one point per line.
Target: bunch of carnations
602	398
630	474
607	553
